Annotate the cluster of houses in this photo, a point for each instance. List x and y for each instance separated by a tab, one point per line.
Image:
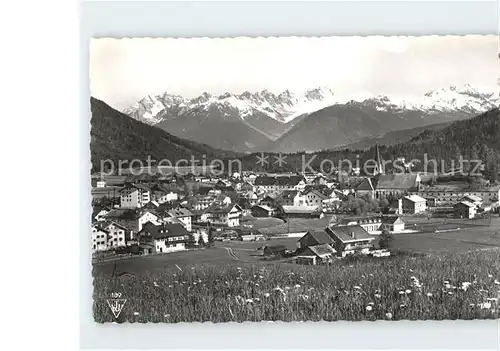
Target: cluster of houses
341	238
154	213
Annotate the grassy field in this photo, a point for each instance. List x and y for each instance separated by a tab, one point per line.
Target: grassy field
446	286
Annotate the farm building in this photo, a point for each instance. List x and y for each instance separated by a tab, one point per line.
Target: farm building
318	254
167	237
350	239
393	224
262	211
464	209
314	238
414	204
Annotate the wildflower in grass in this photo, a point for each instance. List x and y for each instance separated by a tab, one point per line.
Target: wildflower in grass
388	315
490	276
450	293
267	295
260	277
465	286
401	293
304	297
429	294
497	282
170	286
155	284
249	300
136	313
378	296
167	316
448	286
297	286
446	282
357	287
369	308
485	305
407	291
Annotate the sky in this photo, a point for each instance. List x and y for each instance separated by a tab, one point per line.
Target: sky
123	71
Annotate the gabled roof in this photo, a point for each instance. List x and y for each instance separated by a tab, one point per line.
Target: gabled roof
123	214
465	203
415	198
180	212
142	187
320	250
164	230
106	224
474	198
401	181
350	233
264	207
216	208
316	192
391	219
321	237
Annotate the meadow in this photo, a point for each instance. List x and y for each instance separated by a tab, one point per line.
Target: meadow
462	285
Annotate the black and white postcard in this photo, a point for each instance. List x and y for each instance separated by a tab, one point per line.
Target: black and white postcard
295	179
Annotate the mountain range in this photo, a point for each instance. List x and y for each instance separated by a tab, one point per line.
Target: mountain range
117	136
306	121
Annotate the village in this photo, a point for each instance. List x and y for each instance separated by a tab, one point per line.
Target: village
321	217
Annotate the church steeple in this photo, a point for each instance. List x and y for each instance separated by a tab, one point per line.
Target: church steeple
380	168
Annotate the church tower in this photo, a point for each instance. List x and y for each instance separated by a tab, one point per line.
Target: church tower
380	168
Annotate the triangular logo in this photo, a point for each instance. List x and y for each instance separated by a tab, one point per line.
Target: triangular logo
116	306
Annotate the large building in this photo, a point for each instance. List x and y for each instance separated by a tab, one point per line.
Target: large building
396	185
448	196
166	237
134	195
414	204
280	183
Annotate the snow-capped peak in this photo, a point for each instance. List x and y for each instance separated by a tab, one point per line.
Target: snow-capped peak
287	105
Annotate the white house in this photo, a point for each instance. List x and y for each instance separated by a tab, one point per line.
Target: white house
393	224
183	215
147	216
166	237
134	196
108	235
99	239
414	204
227	215
313	197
